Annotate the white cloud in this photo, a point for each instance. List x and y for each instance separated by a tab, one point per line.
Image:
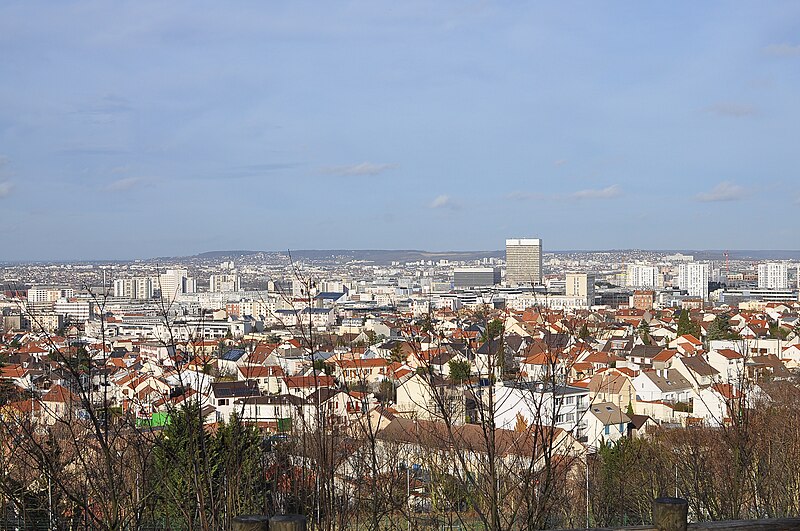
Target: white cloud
600	193
736	110
724	191
783	50
5	188
364	168
559	162
444	202
125	184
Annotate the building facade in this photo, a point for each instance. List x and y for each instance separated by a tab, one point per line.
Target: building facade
642	276
773	275
693	277
471	277
524	261
224	283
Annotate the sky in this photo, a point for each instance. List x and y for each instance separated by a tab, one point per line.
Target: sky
142	129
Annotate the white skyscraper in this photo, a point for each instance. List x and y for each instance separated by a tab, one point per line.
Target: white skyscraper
773	275
524	261
693	277
642	276
175	282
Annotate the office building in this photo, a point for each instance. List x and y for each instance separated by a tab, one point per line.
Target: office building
524	261
773	275
693	277
473	277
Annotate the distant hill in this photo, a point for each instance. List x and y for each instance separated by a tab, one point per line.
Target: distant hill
225	254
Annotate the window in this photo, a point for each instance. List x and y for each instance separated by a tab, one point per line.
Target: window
607	430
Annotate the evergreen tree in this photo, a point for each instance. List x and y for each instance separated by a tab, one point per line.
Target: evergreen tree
203	480
720	328
459	370
687	326
644	332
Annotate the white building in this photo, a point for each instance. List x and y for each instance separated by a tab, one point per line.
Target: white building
224	283
134	288
524	261
642	276
37	295
773	275
694	277
580	285
562	406
74	311
175	282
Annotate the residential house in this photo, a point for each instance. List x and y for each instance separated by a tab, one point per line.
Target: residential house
612	386
605	424
227	397
430	397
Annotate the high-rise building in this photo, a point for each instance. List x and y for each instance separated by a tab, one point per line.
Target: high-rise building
224	283
581	285
773	275
693	277
642	276
134	288
524	261
175	282
472	277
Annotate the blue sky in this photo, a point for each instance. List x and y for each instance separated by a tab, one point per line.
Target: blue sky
139	129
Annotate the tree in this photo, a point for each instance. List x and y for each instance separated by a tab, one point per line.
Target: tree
459	370
777	332
686	325
387	391
644	332
720	328
396	354
322	367
494	329
371	336
583	333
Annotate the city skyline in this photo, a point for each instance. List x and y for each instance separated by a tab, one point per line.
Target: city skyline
150	130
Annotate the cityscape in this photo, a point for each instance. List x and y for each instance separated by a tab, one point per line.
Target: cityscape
399	266
404	354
